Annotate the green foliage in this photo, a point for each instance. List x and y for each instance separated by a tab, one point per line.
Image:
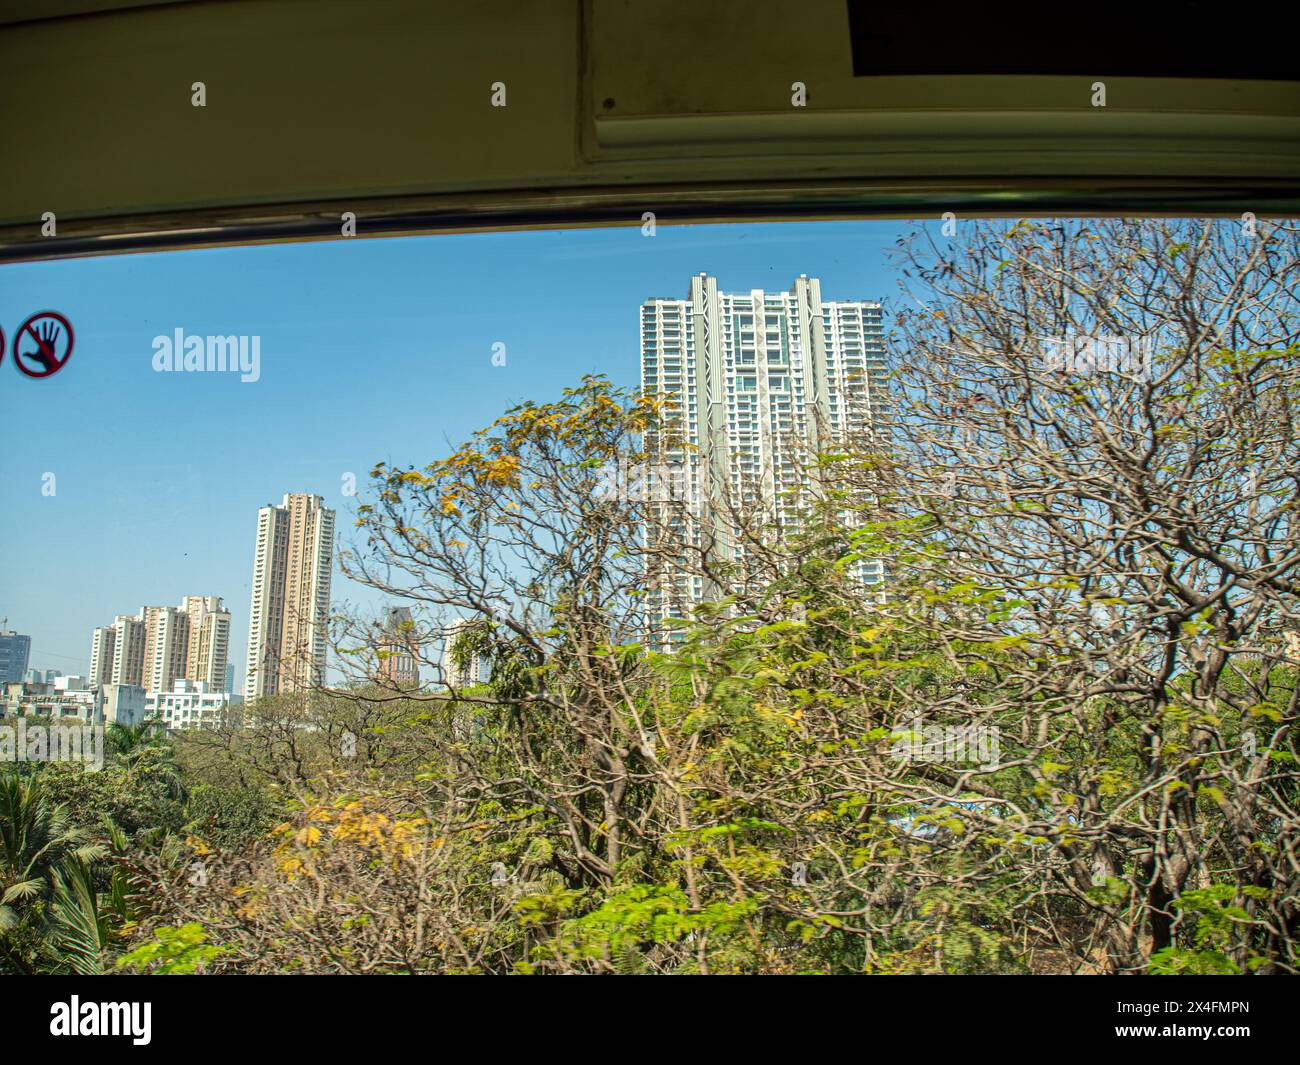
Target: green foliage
80	929
228	817
179	951
1219	921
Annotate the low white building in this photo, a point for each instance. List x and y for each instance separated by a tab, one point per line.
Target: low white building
121	704
70	697
193	704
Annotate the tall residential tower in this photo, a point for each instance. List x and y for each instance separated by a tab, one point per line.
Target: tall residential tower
166	635
289	617
208	649
128	650
102	645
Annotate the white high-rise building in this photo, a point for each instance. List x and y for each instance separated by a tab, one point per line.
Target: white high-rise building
289	616
760	381
102	645
128	651
476	669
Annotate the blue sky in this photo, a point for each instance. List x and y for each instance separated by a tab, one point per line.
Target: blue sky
370	350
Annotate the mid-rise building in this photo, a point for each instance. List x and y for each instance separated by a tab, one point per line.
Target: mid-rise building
288	623
15	649
755	384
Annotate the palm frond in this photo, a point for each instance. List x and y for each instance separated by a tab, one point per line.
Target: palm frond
80	930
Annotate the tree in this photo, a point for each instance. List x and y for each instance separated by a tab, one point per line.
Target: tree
36	834
1098	420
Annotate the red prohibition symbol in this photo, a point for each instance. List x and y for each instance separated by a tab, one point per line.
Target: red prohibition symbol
50	334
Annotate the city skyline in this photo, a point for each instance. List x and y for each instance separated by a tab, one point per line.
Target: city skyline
139	522
159	645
